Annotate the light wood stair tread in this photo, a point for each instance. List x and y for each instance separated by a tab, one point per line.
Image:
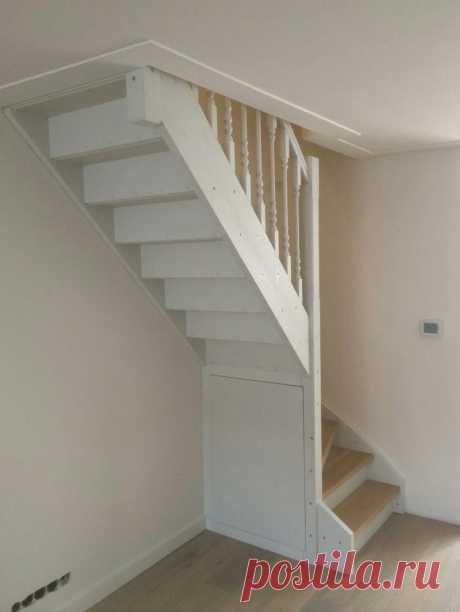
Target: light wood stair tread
328	429
364	504
342	464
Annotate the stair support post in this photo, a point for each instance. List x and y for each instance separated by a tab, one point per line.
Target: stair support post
309	246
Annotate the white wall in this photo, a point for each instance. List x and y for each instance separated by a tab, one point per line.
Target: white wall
391	256
100	400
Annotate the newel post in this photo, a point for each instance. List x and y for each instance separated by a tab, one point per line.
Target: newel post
310	257
310	235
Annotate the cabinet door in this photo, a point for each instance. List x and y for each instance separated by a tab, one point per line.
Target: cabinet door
256	464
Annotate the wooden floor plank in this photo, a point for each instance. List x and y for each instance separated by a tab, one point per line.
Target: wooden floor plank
197	572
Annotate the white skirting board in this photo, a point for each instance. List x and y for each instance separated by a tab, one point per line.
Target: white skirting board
107	585
259	541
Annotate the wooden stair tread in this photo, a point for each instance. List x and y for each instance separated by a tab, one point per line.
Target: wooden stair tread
364	504
342	464
328	429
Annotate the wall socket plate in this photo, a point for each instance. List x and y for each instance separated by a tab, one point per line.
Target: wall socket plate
431	327
42	592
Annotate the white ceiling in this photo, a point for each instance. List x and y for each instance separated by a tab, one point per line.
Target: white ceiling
388	69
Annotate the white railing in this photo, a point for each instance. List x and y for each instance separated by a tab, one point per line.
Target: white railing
265	154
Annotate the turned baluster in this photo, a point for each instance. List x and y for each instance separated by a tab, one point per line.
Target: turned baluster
296	256
272	216
228	125
260	205
284	246
245	170
212	112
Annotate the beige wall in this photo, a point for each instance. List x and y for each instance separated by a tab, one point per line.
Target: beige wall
100	437
390	253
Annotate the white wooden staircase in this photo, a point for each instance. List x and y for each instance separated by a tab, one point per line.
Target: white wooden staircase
213	209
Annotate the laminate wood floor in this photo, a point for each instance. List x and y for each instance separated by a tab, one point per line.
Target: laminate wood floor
206	574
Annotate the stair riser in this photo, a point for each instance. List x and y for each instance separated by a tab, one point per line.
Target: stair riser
228	295
98	129
262	356
190	260
233	326
328	432
347	488
366	533
186	221
137	178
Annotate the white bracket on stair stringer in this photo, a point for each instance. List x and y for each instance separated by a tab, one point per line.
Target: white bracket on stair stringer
333	534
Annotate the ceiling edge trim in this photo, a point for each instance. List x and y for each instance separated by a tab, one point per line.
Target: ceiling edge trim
153	53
